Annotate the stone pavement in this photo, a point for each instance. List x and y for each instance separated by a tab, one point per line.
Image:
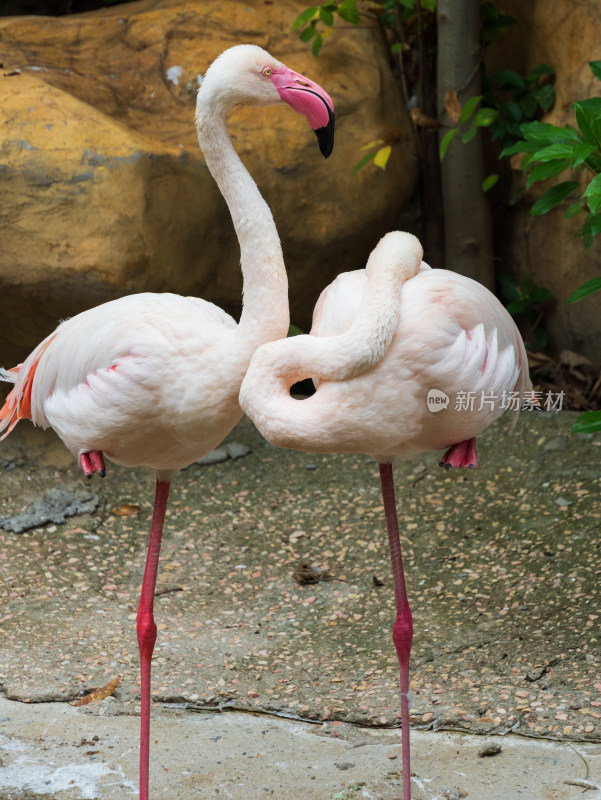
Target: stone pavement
503	573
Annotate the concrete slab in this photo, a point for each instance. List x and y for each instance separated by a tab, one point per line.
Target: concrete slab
57	751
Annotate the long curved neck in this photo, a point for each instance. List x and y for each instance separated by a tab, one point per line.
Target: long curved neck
310	425
338	358
265	314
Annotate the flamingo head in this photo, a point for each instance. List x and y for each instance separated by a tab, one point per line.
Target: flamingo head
248	75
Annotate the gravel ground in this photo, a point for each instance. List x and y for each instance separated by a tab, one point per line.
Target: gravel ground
502	570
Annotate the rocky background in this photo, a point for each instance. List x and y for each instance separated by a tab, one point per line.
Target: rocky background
105	191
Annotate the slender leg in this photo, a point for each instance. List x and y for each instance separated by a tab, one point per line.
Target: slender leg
402	631
146	629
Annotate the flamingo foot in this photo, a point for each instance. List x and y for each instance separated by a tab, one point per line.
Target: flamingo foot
92	462
462	454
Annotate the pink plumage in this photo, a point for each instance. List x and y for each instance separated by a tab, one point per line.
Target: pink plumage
152	379
384	340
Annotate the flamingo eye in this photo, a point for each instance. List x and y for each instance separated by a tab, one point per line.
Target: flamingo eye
267	72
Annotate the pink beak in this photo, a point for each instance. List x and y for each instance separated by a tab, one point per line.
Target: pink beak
310	100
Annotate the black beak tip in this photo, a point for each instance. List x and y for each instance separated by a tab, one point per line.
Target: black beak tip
325	136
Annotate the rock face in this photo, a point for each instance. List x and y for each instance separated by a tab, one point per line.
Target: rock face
565	35
105	191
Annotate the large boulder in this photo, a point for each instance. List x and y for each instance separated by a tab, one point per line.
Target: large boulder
565	35
105	191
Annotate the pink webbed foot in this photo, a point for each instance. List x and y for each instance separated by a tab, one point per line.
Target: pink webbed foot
92	462
462	454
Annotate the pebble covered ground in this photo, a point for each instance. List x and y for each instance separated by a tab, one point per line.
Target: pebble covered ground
502	566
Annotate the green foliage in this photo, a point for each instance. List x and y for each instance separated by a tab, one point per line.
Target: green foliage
529	300
590	287
469	120
549	150
508	99
516	99
494	23
590	422
315	23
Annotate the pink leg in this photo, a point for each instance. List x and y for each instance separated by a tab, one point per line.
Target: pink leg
462	454
92	462
146	629
402	631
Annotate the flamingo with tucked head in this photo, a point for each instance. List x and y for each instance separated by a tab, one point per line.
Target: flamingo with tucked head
385	341
153	379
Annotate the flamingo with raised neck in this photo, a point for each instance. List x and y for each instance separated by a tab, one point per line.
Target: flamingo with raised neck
153	379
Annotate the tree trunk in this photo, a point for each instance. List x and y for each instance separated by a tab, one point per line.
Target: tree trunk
467	220
432	220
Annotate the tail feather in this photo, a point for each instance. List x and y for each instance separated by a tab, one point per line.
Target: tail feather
9	375
18	402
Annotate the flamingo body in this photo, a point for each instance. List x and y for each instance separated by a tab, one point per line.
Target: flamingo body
382	339
451	334
149	379
153	379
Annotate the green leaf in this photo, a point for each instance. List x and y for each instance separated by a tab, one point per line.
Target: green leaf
593	194
516	307
489	182
520	147
485	117
365	160
590	229
446	141
308	33
595	222
580	153
573	209
305	16
389	18
294	330
588	122
382	156
546	97
554	151
326	16
553	197
528	106
508	286
317	43
469	135
590	422
542	69
539	293
508	78
469	108
429	5
543	132
595	68
511	109
547	170
396	48
348	11
590	287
